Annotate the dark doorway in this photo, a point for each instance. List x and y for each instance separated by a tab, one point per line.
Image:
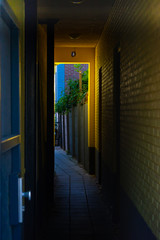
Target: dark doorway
100	127
116	120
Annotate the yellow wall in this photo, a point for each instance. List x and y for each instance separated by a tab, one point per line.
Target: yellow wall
18	8
135	26
83	55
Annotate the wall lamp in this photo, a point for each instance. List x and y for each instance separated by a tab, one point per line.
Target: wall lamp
73	53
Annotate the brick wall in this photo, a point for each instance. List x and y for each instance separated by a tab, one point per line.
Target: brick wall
70	72
135	26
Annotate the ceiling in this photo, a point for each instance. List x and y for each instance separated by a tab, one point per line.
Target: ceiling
83	21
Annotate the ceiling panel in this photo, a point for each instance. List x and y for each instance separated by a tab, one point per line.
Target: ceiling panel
86	20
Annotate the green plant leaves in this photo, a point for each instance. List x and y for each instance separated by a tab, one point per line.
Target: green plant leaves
72	95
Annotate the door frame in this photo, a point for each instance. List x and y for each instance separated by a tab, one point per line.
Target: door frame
100	128
14	138
30	117
116	120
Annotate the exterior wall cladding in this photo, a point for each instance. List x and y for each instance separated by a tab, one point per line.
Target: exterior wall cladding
135	26
60	81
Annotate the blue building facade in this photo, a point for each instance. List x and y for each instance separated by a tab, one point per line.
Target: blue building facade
59	81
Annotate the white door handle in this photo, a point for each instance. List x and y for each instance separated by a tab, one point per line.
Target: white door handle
27	195
22	194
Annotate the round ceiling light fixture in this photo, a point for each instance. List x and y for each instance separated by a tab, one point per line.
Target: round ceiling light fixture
77	2
74	36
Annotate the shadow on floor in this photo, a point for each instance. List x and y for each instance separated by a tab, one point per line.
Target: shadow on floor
79	213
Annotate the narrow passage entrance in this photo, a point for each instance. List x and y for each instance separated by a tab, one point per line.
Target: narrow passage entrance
79	210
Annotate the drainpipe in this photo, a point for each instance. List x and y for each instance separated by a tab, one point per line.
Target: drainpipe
80	81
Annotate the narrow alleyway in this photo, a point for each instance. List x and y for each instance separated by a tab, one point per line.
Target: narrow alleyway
80	212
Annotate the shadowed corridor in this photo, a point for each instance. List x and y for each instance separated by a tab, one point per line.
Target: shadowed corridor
80	211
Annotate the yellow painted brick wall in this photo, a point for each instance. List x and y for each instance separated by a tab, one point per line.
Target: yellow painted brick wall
83	55
136	25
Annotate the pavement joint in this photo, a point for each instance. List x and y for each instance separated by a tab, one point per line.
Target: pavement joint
79	212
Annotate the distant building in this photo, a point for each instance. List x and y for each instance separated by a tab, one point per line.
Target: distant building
59	81
63	73
70	72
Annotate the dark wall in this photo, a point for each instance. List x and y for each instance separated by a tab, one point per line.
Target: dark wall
133	225
131	26
42	123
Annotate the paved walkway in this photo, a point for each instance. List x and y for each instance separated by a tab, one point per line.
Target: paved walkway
79	212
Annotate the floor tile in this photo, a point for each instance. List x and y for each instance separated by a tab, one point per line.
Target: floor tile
79	211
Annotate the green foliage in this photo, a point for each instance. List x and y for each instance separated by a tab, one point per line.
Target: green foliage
62	104
85	81
78	67
72	95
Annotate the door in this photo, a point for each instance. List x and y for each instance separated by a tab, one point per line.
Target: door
116	119
10	161
100	127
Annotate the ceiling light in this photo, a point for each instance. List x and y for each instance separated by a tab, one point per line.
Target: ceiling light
76	2
74	36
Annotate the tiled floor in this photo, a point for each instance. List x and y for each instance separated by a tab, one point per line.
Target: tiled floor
79	212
